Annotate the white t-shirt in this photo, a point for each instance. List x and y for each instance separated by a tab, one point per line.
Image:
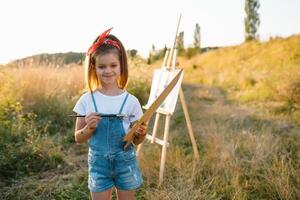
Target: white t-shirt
110	105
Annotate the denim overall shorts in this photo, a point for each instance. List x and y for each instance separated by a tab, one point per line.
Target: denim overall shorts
109	164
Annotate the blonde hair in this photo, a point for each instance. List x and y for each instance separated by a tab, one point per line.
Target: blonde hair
91	80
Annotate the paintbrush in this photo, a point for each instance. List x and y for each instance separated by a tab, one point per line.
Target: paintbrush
107	115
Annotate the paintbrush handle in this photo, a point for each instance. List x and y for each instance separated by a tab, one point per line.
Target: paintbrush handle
105	115
76	115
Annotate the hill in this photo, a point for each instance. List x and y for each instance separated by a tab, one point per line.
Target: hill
258	73
46	59
230	66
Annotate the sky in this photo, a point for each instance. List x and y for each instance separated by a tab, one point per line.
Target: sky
51	26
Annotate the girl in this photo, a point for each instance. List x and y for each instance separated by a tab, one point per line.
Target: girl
109	164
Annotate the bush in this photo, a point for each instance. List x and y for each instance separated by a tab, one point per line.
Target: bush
190	52
25	148
24	143
140	89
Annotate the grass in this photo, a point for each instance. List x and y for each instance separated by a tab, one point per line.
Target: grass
248	150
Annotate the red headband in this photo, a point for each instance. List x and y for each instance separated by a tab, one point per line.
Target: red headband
103	40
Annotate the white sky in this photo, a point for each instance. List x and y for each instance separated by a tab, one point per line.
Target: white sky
51	26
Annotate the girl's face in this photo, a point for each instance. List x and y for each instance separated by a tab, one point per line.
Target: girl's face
108	69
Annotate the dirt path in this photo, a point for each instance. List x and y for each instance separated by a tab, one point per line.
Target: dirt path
211	105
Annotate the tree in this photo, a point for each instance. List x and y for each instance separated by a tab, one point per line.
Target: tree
180	43
153	48
197	37
133	53
161	53
151	57
251	20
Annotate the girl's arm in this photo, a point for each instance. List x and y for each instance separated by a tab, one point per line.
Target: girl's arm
85	127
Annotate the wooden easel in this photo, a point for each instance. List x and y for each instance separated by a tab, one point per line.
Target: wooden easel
168	56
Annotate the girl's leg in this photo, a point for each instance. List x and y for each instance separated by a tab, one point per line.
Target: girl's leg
125	194
106	195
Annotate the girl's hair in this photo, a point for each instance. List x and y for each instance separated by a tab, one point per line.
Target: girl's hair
92	81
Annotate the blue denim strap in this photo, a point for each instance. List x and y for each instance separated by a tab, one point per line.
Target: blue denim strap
121	109
94	102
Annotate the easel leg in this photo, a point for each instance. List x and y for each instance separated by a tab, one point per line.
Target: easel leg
164	150
155	127
189	126
153	133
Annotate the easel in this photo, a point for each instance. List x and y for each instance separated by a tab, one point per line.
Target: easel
168	56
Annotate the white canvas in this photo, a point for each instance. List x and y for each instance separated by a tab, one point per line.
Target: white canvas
161	79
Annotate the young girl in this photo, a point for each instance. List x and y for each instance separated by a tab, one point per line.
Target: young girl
109	164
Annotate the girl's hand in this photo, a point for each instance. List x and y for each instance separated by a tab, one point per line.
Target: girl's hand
140	133
92	120
141	130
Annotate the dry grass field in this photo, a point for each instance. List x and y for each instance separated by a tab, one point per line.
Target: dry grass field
244	105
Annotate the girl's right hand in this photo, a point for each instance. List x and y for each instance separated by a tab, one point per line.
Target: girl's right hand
92	120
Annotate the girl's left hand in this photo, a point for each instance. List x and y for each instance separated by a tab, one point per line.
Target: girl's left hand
140	133
141	130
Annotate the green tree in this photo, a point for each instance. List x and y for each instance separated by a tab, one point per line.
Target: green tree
151	57
132	52
251	20
197	37
180	43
